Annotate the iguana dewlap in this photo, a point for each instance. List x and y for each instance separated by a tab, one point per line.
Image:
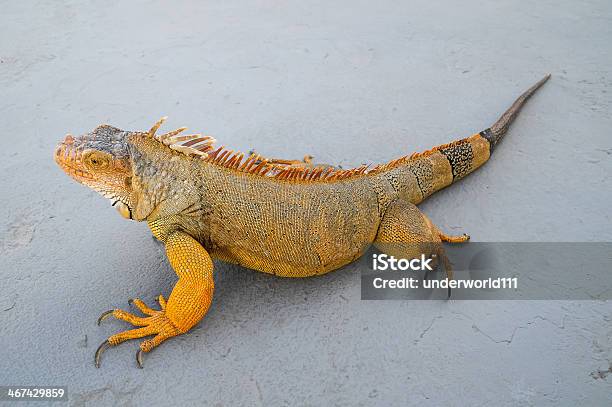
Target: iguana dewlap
281	217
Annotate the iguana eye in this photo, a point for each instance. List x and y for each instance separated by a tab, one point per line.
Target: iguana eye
96	160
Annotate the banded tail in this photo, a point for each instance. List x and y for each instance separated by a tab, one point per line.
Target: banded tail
442	165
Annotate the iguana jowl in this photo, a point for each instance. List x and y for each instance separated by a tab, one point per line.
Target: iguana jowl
274	216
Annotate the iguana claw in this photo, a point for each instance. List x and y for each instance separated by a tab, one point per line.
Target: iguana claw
103	346
104	316
139	358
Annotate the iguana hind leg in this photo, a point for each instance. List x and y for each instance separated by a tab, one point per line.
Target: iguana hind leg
186	306
454	239
306	162
405	232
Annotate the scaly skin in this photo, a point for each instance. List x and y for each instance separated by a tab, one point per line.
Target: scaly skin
277	216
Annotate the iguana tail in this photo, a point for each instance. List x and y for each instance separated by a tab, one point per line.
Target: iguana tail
445	164
496	132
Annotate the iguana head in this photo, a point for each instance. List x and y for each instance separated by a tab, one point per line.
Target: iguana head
101	160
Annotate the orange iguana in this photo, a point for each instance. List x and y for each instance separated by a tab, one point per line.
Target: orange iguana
281	217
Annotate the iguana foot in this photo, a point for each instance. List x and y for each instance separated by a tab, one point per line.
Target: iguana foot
156	323
186	306
445	261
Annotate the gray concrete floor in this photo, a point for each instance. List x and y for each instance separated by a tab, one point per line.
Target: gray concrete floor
347	83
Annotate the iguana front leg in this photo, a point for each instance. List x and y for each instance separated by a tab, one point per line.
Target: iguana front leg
187	304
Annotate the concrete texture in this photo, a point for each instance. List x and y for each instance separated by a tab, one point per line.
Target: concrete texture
347	83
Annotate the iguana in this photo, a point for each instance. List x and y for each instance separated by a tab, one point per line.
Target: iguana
275	216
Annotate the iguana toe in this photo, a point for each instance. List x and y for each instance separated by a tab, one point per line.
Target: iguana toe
156	323
161	301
